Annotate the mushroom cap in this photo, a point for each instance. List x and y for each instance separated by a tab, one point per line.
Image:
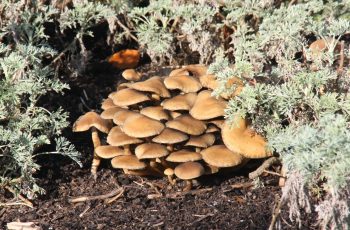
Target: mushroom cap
169	172
187	124
155	112
120	117
220	156
107	103
212	128
150	150
218	123
207	107
174	114
116	137
141	126
202	141
181	71
180	102
184	156
108	151
197	70
125	59
170	136
154	85
123	85
244	141
189	170
186	84
109	113
128	162
126	97
131	75
209	81
91	119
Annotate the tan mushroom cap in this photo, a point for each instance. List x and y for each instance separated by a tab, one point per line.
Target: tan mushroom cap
155	112
170	136
212	128
186	84
174	114
154	85
141	126
184	156
220	156
107	103
150	150
202	141
180	102
116	137
243	140
110	112
209	81
108	151
126	97
218	123
169	172
120	117
181	71
123	85
207	107
189	170
91	119
128	162
187	124
131	75
197	70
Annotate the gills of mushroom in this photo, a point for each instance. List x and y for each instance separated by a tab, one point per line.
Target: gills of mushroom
95	122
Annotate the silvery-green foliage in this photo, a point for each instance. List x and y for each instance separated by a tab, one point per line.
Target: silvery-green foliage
24	125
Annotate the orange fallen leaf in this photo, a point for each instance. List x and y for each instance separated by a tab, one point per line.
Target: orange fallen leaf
125	59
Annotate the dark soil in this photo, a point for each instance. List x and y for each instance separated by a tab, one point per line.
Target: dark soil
145	203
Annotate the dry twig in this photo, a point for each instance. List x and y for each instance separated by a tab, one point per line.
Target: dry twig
267	163
113	193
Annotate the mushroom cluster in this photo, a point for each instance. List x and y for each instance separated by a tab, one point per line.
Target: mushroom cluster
172	126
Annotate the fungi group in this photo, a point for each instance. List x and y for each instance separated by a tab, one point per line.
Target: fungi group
171	126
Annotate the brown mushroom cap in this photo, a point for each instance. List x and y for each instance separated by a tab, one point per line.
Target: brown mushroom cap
123	85
207	107
131	75
155	112
189	170
212	128
202	141
108	151
244	141
150	150
170	136
91	119
169	172
128	162
180	102
218	123
186	84
141	126
181	71
107	103
117	138
120	117
184	156
187	124
109	113
154	85
197	70
126	97
220	156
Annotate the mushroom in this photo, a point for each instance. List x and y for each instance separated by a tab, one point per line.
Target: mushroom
107	103
141	126
117	137
169	172
108	151
152	151
183	156
180	102
126	97
109	113
131	165
155	112
131	75
125	59
220	156
188	171
203	141
207	107
243	140
154	85
95	122
185	83
170	137
187	124
120	117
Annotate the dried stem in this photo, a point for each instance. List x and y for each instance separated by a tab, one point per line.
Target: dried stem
115	192
267	163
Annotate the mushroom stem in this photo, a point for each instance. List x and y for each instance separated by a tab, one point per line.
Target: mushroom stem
170	147
127	150
96	160
172	181
154	166
198	149
155	97
188	186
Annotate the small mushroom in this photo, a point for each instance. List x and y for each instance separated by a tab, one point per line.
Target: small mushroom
169	137
188	171
187	124
141	126
169	172
108	114
180	102
95	122
152	151
107	103
220	156
131	75
108	151
202	141
155	112
185	83
117	137
127	97
183	156
154	85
